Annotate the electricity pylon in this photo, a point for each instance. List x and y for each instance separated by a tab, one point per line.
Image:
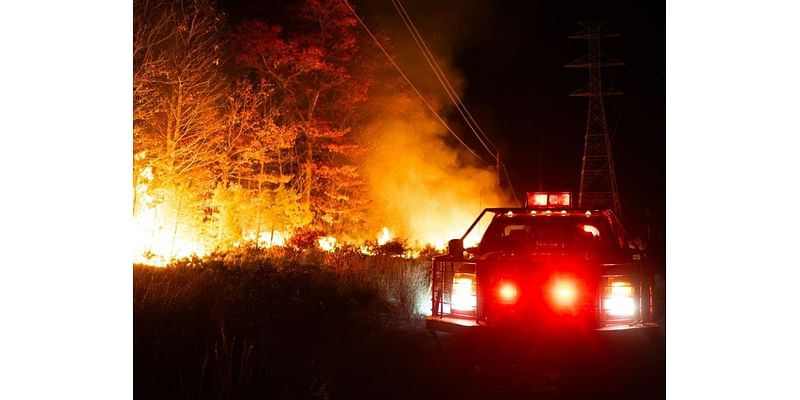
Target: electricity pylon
598	182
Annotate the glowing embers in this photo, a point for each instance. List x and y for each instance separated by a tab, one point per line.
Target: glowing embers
463	297
267	239
618	298
507	292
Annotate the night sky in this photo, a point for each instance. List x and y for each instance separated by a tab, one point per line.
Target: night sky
509	58
512	59
518	88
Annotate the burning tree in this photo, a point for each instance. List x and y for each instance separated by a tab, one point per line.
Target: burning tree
218	164
178	93
317	74
261	148
178	87
252	197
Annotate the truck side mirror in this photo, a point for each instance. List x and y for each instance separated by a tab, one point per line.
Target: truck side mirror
455	249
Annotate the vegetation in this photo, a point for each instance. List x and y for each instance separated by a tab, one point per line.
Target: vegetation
244	130
264	323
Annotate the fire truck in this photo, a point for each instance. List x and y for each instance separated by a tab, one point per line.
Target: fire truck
544	267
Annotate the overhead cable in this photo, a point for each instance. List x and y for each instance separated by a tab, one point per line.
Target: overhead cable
442	77
377	42
451	92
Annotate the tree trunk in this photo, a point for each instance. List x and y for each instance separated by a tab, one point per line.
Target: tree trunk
309	174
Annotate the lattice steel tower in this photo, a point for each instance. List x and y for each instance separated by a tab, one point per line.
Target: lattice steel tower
598	182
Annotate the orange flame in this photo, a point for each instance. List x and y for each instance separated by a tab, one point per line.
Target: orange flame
157	241
384	237
327	243
158	236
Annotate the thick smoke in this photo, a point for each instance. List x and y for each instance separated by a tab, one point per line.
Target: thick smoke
425	188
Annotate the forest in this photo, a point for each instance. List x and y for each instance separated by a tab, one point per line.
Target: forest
293	130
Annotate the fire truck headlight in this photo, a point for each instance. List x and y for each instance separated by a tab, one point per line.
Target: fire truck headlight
618	300
507	292
463	297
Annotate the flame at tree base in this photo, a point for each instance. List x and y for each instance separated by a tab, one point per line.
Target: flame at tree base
168	227
157	242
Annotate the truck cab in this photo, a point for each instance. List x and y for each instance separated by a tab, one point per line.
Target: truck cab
543	267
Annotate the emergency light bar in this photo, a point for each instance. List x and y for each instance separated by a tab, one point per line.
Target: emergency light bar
548	199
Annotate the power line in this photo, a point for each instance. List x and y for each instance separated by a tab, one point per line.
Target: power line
442	77
405	77
377	42
451	92
510	185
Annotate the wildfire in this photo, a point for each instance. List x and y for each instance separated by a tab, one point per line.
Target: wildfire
384	237
164	233
327	243
157	242
158	236
268	239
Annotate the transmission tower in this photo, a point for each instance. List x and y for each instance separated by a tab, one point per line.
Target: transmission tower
598	183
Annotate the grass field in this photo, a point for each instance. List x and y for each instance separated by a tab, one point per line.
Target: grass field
259	324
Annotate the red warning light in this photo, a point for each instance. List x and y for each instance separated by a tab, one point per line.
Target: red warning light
548	199
536	200
507	292
559	199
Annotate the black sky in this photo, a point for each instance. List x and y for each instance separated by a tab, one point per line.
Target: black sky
510	56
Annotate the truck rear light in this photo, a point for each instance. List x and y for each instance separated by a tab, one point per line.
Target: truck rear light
463	297
507	293
564	293
618	300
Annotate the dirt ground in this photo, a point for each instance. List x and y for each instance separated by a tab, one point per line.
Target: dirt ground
408	363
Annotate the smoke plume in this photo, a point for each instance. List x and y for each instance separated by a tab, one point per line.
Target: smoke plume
426	187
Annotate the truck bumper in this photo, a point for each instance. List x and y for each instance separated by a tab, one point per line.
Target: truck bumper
455	324
451	324
629	327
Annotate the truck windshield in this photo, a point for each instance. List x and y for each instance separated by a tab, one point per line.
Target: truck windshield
556	233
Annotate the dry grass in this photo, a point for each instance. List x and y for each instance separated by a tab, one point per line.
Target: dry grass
264	323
